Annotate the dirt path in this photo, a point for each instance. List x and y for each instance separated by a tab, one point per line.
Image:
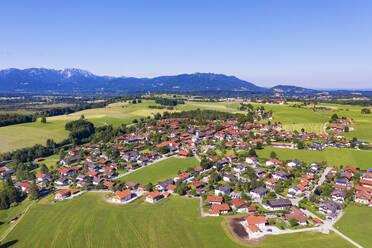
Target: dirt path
12	226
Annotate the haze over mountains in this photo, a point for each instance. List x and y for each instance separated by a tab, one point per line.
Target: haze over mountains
39	80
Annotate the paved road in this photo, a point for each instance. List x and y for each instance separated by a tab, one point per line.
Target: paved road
347	238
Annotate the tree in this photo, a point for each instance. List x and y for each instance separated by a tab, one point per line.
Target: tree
34	191
365	111
334	117
149	187
43	119
293	222
273	154
44	169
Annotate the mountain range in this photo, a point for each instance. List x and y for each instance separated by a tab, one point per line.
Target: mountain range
41	80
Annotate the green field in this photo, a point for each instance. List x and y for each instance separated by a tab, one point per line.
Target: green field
7	214
172	222
161	171
334	156
357	225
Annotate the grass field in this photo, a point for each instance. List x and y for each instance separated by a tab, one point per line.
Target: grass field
7	214
357	225
161	171
335	157
172	222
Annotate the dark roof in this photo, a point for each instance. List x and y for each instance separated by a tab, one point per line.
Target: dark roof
279	203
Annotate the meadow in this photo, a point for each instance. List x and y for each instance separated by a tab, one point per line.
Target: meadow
334	156
172	222
352	226
161	171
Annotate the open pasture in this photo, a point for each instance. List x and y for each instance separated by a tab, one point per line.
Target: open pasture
88	221
162	170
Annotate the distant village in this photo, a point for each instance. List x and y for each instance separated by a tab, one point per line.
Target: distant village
230	179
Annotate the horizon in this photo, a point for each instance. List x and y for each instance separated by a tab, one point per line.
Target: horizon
229	75
312	45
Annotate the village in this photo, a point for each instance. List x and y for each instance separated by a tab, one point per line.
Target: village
275	196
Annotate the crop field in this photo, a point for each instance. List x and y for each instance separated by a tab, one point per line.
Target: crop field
352	226
161	171
334	157
172	222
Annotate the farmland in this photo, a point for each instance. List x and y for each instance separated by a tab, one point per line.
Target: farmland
352	226
172	222
161	171
334	157
28	134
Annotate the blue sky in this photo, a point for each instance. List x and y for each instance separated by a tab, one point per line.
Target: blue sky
319	44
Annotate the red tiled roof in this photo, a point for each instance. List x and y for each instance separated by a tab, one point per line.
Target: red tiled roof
211	198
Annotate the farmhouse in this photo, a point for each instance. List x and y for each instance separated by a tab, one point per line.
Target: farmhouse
62	194
258	221
122	196
153	197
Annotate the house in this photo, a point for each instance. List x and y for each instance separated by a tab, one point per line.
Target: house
198	169
183	154
41	177
363	197
163	185
62	181
273	162
328	207
294	163
131	185
240	168
153	197
230	178
258	221
251	160
122	196
293	191
81	177
234	195
258	192
366	183
219	209
97	180
182	176
239	205
338	195
225	189
214	200
298	215
280	175
62	194
279	204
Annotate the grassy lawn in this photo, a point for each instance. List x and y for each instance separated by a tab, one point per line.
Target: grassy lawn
335	157
357	225
161	171
7	214
172	222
